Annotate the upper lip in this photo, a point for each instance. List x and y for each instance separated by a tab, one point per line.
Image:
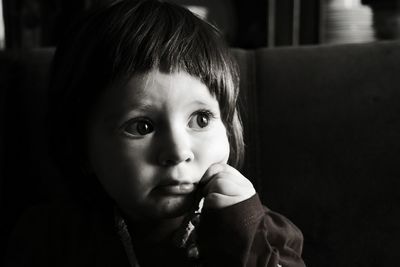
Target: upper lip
177	188
174	177
175	182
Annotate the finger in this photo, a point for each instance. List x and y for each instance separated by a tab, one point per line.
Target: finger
211	172
229	173
228	188
224	186
216	201
221	168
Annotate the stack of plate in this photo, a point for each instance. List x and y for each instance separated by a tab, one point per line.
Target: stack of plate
346	23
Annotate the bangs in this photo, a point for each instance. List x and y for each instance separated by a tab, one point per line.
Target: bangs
130	37
169	39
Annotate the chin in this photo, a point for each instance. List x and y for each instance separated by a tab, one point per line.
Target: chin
161	208
175	207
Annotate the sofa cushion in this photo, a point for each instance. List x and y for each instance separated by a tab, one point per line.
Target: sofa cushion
325	148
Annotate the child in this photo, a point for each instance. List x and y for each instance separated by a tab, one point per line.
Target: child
143	123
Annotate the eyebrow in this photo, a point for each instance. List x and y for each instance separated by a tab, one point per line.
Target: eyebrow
139	106
118	114
147	107
211	104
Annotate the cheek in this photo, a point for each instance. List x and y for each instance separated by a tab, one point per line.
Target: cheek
216	149
224	150
118	168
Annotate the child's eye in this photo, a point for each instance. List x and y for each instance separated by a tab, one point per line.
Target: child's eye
201	119
139	127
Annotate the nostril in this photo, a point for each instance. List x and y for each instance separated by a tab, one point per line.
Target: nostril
172	162
169	162
170	159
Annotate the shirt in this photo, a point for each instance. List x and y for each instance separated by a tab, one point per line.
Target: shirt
244	234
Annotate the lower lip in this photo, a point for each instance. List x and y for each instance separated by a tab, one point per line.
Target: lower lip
180	189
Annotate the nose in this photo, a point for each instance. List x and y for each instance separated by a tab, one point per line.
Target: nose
175	147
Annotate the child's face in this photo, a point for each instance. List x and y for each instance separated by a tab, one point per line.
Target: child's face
151	142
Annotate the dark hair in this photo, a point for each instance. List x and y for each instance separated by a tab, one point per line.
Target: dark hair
112	43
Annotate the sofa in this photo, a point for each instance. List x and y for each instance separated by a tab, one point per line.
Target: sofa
322	133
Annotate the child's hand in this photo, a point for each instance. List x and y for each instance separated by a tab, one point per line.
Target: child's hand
225	186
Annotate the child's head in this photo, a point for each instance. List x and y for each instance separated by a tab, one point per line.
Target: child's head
114	46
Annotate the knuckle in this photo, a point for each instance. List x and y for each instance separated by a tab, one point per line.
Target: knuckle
217	167
216	185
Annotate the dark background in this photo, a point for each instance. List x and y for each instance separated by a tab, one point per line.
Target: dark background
246	24
32	24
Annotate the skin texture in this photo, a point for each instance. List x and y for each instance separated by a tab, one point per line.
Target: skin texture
159	142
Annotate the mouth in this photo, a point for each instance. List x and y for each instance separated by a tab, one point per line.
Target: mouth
177	189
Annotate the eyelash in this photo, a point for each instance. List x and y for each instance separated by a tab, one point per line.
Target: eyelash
135	122
209	115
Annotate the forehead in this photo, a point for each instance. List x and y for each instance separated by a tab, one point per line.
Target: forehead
157	89
161	86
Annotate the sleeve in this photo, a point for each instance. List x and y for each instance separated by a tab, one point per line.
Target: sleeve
249	234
